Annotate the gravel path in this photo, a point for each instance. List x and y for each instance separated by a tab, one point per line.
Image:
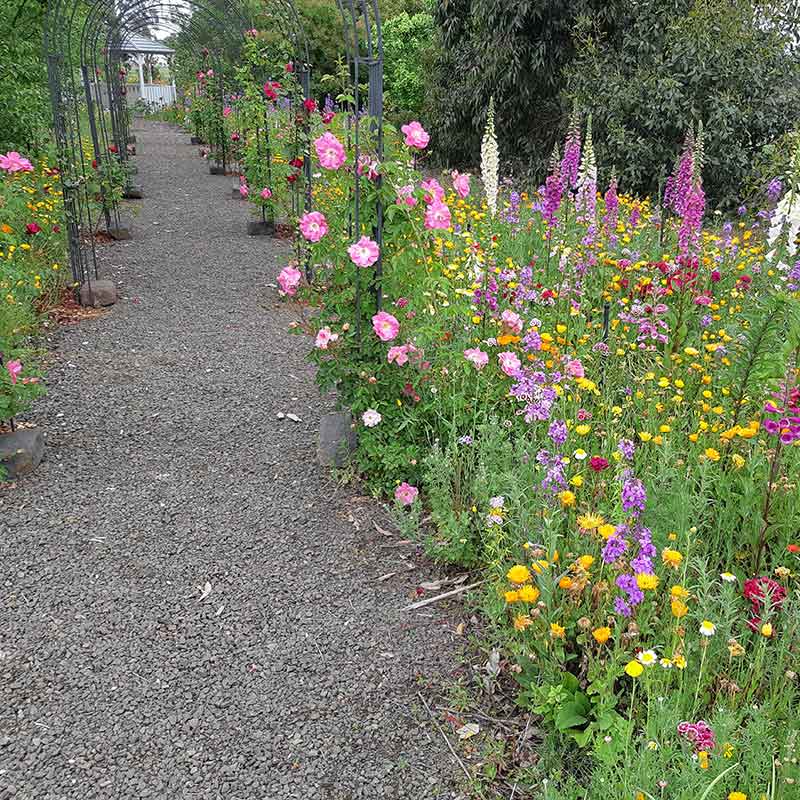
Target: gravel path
167	472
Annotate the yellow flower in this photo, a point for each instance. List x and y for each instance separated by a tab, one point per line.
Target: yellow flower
647	582
735	649
565	583
577	481
671	557
738	461
679	592
556	631
712	454
590	522
679	661
647	658
567	498
634	669
511	597
707	628
586	562
521	621
737	795
679	608
528	594
606	530
582	430
766	630
702	759
601	635
645	436
518	574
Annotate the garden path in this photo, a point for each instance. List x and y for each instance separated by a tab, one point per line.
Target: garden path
167	475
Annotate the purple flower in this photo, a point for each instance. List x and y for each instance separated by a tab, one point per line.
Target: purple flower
614	548
774	190
626	447
558	432
634	496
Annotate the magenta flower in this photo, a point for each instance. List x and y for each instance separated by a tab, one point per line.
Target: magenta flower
244	190
14	162
398	355
324	337
433	190
14	368
385	326
416	135
575	368
477	357
509	363
313	226
512	321
461	184
289	280
329	151
405	195
406	494
226	112
437	216
364	253
266	193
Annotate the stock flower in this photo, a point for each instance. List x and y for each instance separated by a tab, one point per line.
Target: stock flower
519	573
371	418
324	338
289	279
313	226
415	135
476	357
601	635
330	151
385	326
364	253
405	494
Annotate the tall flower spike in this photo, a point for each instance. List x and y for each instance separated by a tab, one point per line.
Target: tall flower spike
785	227
699	152
490	163
586	199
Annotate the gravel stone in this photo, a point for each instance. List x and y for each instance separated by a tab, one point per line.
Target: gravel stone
190	605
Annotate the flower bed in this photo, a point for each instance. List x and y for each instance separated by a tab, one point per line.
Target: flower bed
595	398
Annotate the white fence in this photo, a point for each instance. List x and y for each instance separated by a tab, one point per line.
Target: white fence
154	94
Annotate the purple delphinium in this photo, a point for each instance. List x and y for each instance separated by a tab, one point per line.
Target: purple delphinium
774	190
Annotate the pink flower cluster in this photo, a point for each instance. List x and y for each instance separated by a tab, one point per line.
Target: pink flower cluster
699	733
14	162
787	426
325	337
330	151
415	135
364	253
386	326
289	280
406	494
14	368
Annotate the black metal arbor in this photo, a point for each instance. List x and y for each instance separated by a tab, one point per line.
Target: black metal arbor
84	46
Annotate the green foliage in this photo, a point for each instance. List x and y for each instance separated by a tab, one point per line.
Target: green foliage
24	101
407	41
657	73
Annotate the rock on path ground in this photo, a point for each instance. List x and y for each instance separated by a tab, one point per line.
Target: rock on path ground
167	473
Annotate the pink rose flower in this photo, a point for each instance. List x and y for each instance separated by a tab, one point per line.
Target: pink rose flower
14	162
364	253
14	368
406	494
477	357
385	326
244	190
266	193
433	190
371	418
324	337
313	226
398	355
416	135
509	363
437	216
575	368
512	321
461	184
329	151
405	196
289	280
226	112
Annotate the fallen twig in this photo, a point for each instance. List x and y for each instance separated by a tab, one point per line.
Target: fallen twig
443	596
444	736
